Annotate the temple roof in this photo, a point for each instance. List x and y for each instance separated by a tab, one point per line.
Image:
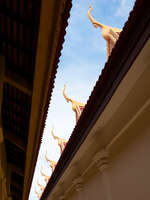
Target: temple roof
136	31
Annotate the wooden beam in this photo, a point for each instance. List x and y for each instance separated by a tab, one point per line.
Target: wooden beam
17	81
16	169
16	185
15	140
6	41
22	20
2	66
15	194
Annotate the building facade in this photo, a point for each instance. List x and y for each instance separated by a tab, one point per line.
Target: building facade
107	155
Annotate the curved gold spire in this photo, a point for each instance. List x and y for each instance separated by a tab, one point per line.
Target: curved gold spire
52	163
61	142
38	194
77	107
41	186
109	33
46	177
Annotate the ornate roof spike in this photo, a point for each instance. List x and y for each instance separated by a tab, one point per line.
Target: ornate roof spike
41	186
109	33
52	163
46	177
77	107
38	194
61	142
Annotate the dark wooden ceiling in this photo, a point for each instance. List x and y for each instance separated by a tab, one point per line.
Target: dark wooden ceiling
19	23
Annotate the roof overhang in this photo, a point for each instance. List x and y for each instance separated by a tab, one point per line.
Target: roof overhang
124	119
53	21
134	36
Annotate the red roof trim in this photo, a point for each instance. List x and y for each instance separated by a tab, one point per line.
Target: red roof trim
132	39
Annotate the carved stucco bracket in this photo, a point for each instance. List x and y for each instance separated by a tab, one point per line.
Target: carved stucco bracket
62	197
101	159
78	184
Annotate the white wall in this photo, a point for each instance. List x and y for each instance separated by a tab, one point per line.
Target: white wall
129	173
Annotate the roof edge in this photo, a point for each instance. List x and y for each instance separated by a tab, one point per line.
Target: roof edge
132	39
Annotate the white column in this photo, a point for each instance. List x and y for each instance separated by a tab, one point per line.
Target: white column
101	160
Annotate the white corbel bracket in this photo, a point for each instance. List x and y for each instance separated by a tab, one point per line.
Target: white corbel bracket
78	184
62	197
101	159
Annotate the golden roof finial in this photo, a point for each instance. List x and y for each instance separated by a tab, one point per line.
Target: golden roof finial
65	96
37	193
61	142
109	33
46	177
77	107
52	163
41	186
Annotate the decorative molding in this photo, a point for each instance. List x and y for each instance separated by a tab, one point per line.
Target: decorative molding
131	121
62	197
101	159
78	184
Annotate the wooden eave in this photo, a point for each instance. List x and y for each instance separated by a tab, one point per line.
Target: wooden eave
30	54
53	21
131	41
19	24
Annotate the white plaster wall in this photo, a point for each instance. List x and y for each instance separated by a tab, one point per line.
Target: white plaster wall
93	189
129	173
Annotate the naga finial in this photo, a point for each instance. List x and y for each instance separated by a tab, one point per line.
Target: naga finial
95	23
110	34
65	96
61	142
41	186
37	193
46	177
77	107
51	162
52	132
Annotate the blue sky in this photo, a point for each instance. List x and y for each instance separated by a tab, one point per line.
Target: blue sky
83	57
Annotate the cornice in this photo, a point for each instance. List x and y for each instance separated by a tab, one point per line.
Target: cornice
78	184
